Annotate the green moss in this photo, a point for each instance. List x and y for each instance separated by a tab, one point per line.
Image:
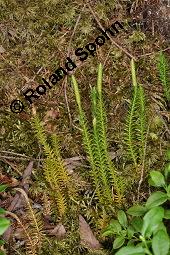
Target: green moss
36	35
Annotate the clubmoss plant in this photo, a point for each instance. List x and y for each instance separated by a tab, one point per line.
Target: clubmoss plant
136	122
103	172
164	74
60	184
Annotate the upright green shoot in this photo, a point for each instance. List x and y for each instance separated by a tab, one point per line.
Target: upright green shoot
102	170
136	122
164	73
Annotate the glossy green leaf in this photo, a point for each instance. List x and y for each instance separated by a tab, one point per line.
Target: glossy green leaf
118	242
156	198
122	218
151	219
128	250
116	226
137	224
158	227
130	232
151	183
160	243
4	224
157	178
137	210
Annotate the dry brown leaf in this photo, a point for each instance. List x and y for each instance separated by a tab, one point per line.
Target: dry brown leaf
58	231
86	235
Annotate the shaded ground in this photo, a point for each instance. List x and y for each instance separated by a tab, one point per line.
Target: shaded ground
36	38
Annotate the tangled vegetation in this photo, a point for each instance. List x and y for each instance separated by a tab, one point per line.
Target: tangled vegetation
81	169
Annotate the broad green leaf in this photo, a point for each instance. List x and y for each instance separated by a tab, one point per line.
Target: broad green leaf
116	226
151	219
167	214
156	198
158	227
2	211
130	232
137	210
137	223
157	178
108	232
128	250
118	242
160	243
151	183
113	228
167	170
4	224
122	218
3	187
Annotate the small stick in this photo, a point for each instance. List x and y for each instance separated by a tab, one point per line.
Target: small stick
18	158
12	166
151	53
14	153
13	215
67	161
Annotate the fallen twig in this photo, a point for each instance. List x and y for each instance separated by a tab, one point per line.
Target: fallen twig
151	53
67	161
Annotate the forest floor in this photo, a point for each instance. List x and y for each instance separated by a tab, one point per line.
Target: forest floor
36	38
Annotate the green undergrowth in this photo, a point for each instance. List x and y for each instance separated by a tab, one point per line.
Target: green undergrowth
103	172
145	230
35	38
94	139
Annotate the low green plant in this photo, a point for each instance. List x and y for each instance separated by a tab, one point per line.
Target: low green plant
103	172
164	74
60	184
4	222
144	231
136	122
